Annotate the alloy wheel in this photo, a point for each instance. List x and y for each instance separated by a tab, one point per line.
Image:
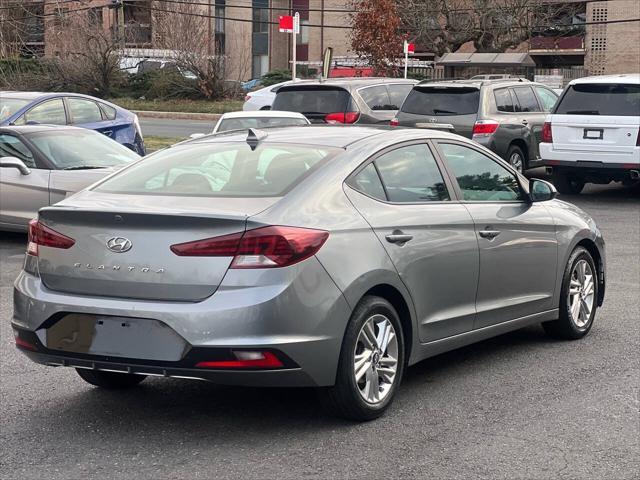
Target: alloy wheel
376	359
581	293
516	160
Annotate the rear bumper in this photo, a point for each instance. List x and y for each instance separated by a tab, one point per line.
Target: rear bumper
598	159
297	311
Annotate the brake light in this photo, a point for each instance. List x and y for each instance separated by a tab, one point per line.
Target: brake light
547	135
394	122
247	98
266	247
40	234
485	127
245	359
21	343
342	117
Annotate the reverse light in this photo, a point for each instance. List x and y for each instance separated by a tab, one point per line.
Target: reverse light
41	235
394	122
342	117
266	247
547	135
484	128
245	359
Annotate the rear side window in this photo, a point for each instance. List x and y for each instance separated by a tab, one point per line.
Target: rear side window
411	175
109	111
504	102
600	99
310	100
376	98
219	170
84	111
368	182
526	100
442	101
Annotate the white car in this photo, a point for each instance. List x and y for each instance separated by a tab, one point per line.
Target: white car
258	119
263	98
593	133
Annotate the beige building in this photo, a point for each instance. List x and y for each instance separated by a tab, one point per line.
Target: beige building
613	47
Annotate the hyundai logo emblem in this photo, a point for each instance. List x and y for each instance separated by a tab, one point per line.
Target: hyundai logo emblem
119	244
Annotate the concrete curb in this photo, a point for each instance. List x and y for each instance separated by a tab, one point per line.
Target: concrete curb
178	115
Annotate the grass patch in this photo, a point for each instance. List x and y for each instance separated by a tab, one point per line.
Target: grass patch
179	105
153	143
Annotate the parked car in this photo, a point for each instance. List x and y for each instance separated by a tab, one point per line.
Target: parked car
593	133
262	99
345	100
258	119
29	108
504	115
331	262
41	165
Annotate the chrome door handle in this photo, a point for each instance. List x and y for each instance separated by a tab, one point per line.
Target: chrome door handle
524	122
398	237
489	234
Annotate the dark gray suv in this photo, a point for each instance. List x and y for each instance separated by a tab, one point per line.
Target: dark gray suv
345	100
505	115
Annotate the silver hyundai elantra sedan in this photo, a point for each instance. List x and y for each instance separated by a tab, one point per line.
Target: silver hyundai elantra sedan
330	257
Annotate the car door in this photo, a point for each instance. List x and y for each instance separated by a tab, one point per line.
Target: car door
532	116
516	238
86	113
428	235
21	196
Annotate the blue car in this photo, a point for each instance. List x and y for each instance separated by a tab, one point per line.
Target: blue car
31	108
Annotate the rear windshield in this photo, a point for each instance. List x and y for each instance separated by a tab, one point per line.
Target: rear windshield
219	170
9	106
310	100
600	99
442	101
258	122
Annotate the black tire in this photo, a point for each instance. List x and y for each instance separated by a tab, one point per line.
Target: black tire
515	150
564	327
344	398
568	184
109	380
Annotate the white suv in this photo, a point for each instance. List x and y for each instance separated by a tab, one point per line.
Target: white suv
593	133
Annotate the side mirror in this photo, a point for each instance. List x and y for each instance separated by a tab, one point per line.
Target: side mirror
14	162
541	190
193	136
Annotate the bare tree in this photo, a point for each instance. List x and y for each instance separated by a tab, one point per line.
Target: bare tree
491	25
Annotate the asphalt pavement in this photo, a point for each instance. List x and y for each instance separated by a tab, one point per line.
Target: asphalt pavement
164	127
516	406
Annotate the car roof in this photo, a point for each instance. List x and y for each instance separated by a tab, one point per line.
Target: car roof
632	78
21	95
22	129
476	82
354	82
263	114
41	95
337	136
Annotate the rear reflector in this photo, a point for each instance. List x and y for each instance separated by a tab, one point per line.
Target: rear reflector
40	234
21	343
485	127
342	117
394	122
245	359
547	135
266	247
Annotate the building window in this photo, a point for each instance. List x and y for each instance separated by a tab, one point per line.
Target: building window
219	26
260	65
260	16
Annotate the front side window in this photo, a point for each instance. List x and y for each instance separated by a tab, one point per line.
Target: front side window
526	100
376	98
84	111
11	146
547	98
480	177
601	99
219	170
411	175
49	112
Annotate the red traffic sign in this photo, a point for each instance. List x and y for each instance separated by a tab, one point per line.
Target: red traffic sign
286	24
409	47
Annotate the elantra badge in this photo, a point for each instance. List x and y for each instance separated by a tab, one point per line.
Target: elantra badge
119	244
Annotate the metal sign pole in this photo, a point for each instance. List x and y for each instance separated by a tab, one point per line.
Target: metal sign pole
406	57
296	30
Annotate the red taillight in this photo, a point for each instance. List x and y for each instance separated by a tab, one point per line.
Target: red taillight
40	234
247	98
245	359
394	122
266	247
547	135
485	127
342	117
21	343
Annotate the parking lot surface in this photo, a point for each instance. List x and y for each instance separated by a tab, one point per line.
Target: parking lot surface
516	406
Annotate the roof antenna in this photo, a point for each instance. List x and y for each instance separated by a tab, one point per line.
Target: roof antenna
254	137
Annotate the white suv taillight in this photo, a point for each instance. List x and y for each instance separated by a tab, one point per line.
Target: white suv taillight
484	128
394	122
547	135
